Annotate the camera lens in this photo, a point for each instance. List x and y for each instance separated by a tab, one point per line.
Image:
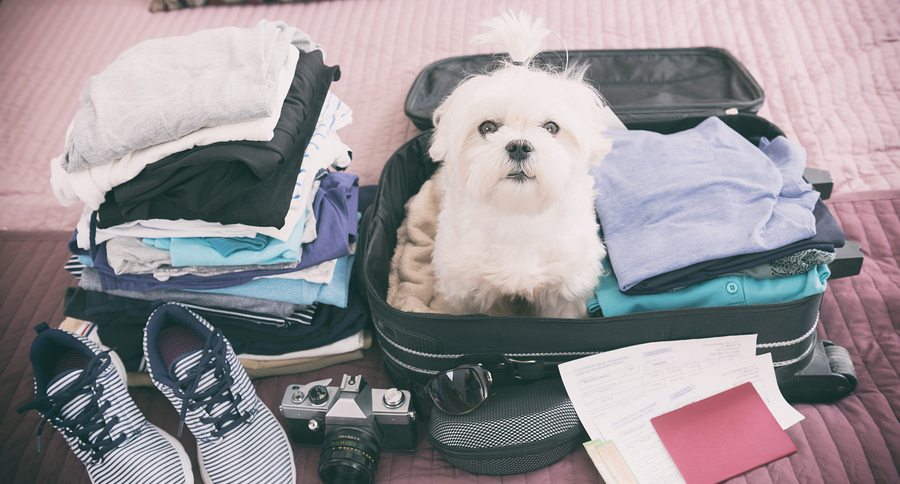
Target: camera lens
349	456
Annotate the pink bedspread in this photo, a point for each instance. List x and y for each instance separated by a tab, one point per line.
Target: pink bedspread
830	69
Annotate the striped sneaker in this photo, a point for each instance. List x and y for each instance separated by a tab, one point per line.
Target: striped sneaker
80	390
194	366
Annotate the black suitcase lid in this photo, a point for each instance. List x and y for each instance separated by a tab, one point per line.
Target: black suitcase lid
640	84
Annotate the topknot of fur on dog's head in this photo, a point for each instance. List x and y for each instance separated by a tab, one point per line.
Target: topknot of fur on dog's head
515	90
515	33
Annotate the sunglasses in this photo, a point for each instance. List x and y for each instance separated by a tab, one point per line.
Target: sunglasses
460	390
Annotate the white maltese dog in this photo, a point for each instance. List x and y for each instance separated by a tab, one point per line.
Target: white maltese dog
516	233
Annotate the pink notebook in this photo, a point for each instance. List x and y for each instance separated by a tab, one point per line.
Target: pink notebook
722	436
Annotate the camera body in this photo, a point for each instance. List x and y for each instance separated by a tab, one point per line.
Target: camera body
315	413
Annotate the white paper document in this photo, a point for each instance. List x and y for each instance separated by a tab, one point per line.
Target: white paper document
613	379
616	393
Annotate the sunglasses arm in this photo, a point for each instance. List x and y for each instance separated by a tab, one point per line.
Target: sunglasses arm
507	370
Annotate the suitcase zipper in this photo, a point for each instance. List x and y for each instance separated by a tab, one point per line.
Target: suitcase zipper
423	371
451	356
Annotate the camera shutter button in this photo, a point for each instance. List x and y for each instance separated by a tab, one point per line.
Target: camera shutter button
393	398
318	395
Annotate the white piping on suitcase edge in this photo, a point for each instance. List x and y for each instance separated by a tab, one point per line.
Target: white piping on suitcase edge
793	341
777	364
412	351
408	367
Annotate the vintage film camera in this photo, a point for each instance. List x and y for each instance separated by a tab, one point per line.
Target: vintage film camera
353	423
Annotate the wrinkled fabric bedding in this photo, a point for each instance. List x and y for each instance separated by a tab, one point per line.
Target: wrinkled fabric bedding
828	67
854	440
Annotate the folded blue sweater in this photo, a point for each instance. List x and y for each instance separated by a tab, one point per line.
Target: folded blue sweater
669	201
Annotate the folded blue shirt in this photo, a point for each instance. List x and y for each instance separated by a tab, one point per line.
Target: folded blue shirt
206	251
669	201
229	245
731	290
297	291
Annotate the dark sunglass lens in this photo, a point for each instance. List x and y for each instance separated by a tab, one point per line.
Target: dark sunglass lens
458	391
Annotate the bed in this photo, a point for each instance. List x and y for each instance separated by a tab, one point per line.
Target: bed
830	70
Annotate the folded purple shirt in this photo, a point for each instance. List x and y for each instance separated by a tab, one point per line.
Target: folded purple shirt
335	206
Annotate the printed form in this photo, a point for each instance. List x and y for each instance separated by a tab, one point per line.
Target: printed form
616	393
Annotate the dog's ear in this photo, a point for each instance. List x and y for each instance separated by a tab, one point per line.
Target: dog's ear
600	147
440	143
604	119
601	143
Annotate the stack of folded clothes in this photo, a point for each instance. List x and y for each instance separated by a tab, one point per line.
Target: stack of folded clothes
707	218
211	173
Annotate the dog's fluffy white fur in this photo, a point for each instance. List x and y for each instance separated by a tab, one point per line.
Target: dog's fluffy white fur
518	237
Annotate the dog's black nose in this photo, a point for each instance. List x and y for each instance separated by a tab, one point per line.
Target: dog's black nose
519	149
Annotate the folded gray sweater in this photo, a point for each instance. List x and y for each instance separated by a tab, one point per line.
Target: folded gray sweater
162	89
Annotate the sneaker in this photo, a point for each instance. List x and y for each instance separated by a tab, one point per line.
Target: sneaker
194	366
80	390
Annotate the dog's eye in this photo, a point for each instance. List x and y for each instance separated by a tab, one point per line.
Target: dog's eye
551	127
487	127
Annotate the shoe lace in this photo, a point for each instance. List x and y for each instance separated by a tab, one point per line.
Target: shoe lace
90	428
219	392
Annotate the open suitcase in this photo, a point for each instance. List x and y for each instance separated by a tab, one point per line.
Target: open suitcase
663	90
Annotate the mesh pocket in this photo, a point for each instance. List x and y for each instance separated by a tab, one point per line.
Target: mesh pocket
518	429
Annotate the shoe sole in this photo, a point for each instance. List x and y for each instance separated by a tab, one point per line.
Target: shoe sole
182	454
207	480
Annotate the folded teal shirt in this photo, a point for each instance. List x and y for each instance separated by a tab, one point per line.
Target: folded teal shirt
297	291
207	251
730	290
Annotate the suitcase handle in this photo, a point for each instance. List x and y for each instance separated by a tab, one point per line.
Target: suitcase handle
820	180
848	260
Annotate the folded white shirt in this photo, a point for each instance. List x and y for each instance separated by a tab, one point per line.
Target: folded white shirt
91	185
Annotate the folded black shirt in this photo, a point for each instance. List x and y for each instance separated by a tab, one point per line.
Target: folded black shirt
234	182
